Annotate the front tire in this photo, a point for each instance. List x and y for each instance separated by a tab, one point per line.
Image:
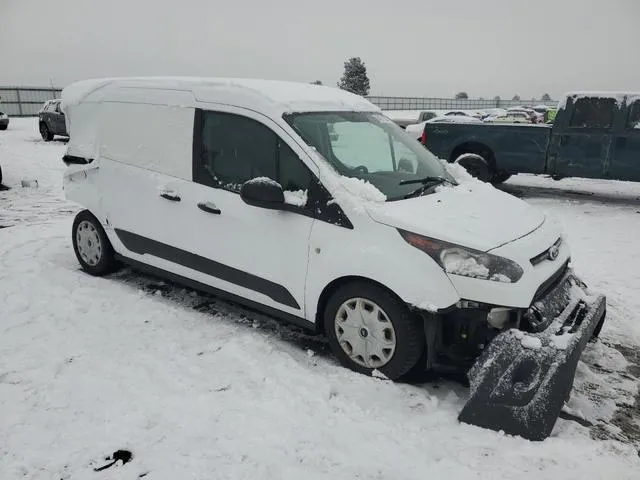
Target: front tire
370	329
92	246
3	127
47	136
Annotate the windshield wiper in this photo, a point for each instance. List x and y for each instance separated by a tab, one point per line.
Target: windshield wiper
428	180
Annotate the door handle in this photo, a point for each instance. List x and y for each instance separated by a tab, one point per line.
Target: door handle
173	196
209	207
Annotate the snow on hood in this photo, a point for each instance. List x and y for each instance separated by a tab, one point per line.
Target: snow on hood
472	214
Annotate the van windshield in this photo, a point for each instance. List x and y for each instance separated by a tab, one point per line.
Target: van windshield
369	146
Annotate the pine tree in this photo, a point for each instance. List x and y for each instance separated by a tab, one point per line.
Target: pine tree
354	79
546	97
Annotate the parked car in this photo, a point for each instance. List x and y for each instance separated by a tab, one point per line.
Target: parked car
404	118
534	117
235	187
51	120
4	121
510	117
593	136
463	113
417	130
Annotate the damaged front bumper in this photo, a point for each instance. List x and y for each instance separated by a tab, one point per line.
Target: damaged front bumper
521	380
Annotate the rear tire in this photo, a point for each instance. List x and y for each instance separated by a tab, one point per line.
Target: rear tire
501	177
92	246
3	127
476	165
385	335
47	136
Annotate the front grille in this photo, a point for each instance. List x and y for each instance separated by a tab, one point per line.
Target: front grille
551	282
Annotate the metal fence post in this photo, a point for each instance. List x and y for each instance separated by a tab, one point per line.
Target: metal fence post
19	102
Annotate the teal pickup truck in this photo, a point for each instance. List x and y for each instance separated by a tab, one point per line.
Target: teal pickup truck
594	135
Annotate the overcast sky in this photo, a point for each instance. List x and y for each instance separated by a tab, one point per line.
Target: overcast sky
410	47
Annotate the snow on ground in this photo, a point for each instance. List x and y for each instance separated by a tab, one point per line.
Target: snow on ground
198	388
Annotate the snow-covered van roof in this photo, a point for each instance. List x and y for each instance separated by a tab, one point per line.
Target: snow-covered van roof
265	96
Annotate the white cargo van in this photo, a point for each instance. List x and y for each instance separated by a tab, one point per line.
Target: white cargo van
306	203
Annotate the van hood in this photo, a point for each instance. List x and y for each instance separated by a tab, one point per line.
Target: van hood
473	215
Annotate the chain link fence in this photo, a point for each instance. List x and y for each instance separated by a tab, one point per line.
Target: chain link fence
422	103
26	101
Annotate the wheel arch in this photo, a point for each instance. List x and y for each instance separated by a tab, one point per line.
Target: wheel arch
477	147
337	283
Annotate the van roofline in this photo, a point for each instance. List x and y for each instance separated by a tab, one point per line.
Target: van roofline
265	96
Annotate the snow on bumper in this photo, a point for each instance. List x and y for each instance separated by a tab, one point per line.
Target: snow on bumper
521	381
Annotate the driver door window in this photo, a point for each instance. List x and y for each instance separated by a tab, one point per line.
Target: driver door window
235	149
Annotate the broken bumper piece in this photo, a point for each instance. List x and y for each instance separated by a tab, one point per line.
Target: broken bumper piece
521	381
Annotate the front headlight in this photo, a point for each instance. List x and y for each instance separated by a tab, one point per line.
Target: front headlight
458	260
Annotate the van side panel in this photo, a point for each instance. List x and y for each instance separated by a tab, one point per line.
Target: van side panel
152	137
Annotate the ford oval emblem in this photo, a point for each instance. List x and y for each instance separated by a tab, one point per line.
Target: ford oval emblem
553	252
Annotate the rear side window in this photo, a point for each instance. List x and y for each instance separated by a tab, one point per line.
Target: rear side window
633	119
235	149
594	112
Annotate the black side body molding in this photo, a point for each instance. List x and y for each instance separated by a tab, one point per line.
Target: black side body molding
187	282
143	245
69	159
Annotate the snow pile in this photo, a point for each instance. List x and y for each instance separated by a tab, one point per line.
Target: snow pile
459	173
561	342
263	181
528	341
362	189
297	198
415	130
463	265
500	277
427	307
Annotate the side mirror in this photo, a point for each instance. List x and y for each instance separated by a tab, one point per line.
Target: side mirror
264	193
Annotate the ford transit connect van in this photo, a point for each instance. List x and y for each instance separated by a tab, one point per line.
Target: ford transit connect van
308	204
